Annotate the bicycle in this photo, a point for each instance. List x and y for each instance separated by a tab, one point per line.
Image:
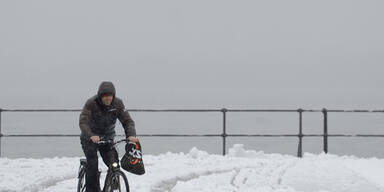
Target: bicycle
115	179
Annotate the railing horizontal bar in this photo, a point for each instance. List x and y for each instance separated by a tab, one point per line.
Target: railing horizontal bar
176	135
142	135
358	135
341	135
175	110
262	135
202	110
199	135
134	110
356	111
271	110
261	110
157	110
39	135
41	110
313	135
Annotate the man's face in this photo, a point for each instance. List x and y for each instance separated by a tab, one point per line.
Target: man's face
107	99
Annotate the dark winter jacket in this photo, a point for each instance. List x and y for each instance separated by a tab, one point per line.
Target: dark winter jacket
99	119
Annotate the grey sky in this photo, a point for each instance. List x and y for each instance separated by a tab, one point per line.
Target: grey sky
194	54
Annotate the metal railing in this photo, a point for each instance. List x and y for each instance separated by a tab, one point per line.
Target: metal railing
224	135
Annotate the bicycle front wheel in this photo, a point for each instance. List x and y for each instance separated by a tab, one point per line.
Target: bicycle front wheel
117	182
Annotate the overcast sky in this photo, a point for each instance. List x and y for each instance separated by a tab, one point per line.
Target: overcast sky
193	54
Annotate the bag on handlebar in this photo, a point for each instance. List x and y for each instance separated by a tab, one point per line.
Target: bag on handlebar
132	160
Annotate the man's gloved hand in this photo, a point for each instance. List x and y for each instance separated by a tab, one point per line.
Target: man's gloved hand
95	139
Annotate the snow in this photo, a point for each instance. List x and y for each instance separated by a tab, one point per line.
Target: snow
240	170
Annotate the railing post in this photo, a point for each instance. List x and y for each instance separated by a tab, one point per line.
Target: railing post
1	135
300	147
325	115
224	134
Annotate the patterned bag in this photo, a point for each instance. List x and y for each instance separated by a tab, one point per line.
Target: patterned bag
132	160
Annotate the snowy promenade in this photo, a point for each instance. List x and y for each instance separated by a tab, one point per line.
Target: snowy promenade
240	170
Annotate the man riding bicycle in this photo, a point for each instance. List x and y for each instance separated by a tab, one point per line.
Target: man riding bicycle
98	119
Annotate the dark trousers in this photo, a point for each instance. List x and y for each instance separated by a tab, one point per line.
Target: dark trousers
108	155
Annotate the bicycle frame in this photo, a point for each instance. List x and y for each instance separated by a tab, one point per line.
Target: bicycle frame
112	168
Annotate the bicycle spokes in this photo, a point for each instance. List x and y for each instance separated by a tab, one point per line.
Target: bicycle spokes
118	183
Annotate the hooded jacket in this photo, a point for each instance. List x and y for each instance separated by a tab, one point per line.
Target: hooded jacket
99	119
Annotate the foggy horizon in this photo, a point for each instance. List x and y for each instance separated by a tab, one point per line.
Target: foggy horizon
200	54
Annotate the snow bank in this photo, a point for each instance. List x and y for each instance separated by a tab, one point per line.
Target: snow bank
240	170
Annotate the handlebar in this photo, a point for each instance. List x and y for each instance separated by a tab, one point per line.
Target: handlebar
110	141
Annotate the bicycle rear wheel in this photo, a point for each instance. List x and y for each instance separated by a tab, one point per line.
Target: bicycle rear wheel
117	182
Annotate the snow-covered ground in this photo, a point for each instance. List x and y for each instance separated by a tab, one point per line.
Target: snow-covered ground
240	170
